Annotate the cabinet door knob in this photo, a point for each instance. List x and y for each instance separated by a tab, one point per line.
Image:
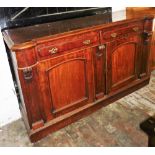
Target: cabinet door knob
53	50
86	42
101	47
135	29
114	35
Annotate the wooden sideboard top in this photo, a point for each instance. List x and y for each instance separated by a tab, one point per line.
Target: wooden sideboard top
24	37
139	11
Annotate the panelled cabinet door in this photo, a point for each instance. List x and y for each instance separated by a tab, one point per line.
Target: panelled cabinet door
66	82
123	62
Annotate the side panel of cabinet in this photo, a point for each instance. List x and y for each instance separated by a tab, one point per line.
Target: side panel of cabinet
28	77
147	54
123	58
66	82
153	50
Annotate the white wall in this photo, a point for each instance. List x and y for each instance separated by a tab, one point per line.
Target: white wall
9	110
118	8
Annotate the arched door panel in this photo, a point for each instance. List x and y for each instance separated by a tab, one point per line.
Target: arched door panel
66	83
123	62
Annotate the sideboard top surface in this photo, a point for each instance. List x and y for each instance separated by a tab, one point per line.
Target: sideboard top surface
31	34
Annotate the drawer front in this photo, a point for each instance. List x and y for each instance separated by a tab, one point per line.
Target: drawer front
66	44
122	32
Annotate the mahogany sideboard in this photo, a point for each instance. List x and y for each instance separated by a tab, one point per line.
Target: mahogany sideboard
139	12
69	69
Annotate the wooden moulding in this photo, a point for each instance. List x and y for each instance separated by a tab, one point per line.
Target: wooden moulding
20	47
29	44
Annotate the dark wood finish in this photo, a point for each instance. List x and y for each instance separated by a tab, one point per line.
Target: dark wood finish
65	76
135	12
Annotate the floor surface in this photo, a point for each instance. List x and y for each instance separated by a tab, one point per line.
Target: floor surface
114	125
